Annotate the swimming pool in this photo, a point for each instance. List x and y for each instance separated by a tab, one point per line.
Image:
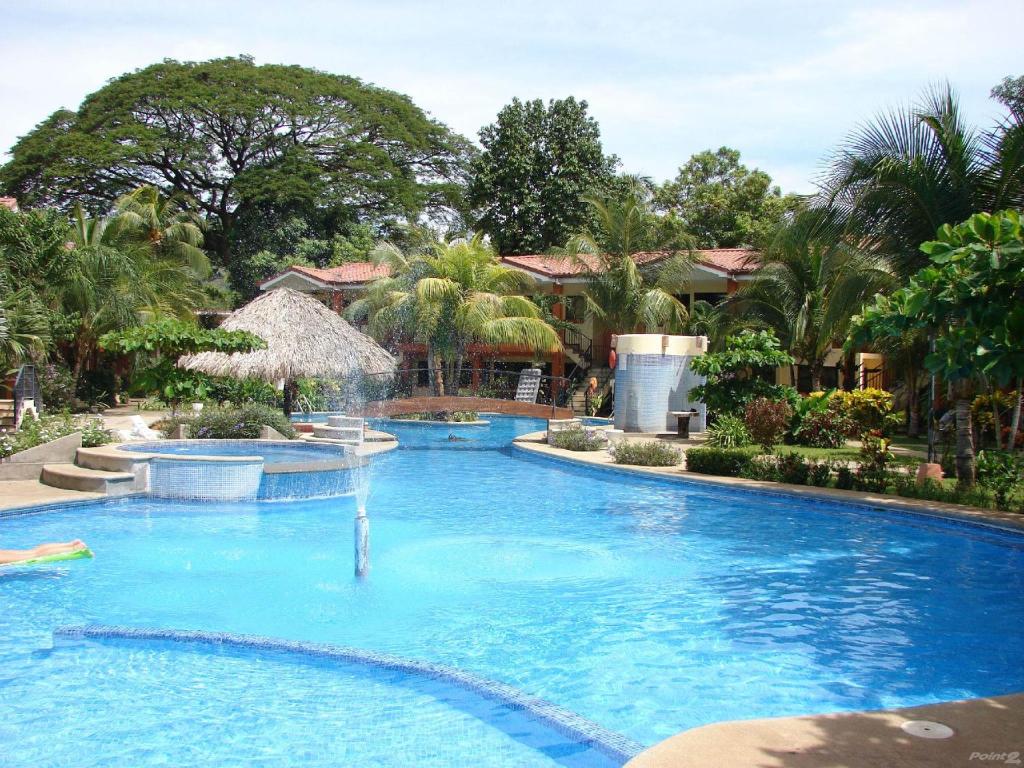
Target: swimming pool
644	606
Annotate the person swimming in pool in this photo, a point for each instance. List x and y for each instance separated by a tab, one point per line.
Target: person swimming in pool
8	556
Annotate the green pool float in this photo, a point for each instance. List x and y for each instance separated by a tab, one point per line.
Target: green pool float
76	555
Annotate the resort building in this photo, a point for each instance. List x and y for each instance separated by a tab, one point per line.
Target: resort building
717	273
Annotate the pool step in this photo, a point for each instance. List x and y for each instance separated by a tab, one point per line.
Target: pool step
108	459
351	435
75	478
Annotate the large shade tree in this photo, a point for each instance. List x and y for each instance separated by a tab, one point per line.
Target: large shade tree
537	163
237	138
449	296
724	204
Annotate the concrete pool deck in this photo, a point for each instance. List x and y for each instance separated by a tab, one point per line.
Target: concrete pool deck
986	732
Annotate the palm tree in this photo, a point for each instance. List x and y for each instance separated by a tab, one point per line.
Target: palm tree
449	296
117	279
902	176
625	295
173	231
808	286
24	327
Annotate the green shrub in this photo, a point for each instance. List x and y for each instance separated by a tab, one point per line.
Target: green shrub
647	453
1000	472
231	422
767	421
867	408
826	428
727	462
793	468
762	467
731	374
844	478
576	438
873	472
819	473
728	431
932	490
36	431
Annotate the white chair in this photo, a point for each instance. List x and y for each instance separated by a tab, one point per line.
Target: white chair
141	431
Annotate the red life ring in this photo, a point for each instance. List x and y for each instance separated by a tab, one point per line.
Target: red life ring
611	359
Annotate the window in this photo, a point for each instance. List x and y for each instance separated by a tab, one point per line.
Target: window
710	298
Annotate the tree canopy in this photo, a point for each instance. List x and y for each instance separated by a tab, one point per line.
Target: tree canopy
234	136
722	203
537	164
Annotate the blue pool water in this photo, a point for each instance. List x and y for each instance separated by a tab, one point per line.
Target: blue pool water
272	453
645	606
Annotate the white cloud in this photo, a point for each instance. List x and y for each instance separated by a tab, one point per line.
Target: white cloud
782	82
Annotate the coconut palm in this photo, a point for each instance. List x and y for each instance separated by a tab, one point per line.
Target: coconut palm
449	296
807	287
903	175
166	223
626	292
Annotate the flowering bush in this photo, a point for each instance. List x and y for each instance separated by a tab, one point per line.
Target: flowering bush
825	429
36	431
867	408
767	421
576	438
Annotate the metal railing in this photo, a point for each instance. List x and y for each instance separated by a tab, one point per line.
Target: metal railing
580	343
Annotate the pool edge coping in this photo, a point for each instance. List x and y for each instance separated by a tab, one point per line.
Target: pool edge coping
976	517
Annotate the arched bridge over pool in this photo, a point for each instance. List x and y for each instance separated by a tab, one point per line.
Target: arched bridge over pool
451	403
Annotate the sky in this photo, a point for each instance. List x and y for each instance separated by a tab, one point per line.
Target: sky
783	82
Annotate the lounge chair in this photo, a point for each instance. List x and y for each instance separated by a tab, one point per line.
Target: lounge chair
139	431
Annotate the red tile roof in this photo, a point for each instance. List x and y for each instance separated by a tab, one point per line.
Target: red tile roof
353	273
733	261
9	202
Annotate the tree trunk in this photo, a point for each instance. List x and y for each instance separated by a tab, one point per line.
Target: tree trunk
849	370
289	397
913	406
816	371
964	438
1015	418
997	421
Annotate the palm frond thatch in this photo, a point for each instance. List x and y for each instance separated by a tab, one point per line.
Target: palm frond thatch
304	340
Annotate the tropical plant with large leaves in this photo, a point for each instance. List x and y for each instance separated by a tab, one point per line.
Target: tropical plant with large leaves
116	279
808	285
900	177
24	327
626	291
448	296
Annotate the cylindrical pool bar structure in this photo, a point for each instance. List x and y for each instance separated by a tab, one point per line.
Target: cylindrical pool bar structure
653	380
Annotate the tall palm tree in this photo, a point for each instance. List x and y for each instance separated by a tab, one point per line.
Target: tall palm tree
906	173
807	287
625	295
449	296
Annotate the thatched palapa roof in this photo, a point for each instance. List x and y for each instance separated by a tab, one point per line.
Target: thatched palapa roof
304	340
